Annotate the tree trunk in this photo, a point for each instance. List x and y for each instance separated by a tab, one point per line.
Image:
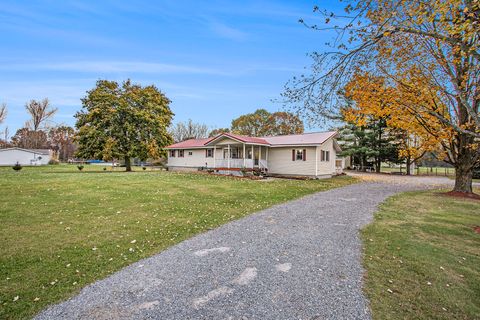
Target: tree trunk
409	163
463	177
378	165
128	164
467	157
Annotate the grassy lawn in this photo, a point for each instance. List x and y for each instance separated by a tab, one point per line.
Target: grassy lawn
61	229
423	259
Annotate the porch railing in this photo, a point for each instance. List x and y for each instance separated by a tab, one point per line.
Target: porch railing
238	163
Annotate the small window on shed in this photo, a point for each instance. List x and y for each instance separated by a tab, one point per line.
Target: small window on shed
172	153
181	153
190	153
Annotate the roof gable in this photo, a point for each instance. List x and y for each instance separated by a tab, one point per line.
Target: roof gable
239	138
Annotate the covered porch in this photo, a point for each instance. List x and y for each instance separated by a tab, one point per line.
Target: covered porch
238	152
230	152
240	156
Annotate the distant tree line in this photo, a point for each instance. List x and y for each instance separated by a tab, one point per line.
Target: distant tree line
257	124
39	133
125	121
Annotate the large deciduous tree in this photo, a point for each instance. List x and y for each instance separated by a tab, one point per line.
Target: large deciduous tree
41	112
264	123
427	50
123	121
61	140
373	99
252	124
216	132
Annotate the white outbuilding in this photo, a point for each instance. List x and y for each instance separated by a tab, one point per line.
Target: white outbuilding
25	157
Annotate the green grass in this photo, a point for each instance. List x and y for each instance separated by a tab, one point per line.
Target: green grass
422	258
61	229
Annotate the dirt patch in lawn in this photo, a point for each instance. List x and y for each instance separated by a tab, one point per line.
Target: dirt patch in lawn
462	195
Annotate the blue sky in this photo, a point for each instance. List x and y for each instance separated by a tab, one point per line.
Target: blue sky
215	60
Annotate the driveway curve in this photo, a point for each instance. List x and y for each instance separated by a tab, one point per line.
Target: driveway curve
297	260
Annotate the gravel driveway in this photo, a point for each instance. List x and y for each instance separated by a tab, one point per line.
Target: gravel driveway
297	260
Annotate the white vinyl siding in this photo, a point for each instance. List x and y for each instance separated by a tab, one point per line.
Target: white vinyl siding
280	161
326	166
195	160
24	157
308	161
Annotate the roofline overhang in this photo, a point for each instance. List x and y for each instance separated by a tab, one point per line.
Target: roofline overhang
47	152
215	145
176	148
226	135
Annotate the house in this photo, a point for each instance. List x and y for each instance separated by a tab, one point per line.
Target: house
25	157
310	154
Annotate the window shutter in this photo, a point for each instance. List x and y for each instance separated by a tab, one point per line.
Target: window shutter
304	154
293	154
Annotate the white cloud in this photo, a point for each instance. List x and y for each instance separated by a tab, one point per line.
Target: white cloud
227	32
112	67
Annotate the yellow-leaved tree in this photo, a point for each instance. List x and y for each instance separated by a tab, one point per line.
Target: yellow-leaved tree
372	97
426	51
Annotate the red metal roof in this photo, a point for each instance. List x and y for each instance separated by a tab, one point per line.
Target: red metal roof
295	139
191	143
301	139
241	138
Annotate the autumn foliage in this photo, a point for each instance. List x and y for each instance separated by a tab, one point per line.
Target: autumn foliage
415	62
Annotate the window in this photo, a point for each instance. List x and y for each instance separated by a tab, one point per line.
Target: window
299	154
172	153
209	153
325	155
235	153
190	153
180	153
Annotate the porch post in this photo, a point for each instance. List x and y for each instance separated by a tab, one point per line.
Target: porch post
316	161
253	158
214	156
259	155
244	155
228	156
266	155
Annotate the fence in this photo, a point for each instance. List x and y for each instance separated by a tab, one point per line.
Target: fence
419	171
435	171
